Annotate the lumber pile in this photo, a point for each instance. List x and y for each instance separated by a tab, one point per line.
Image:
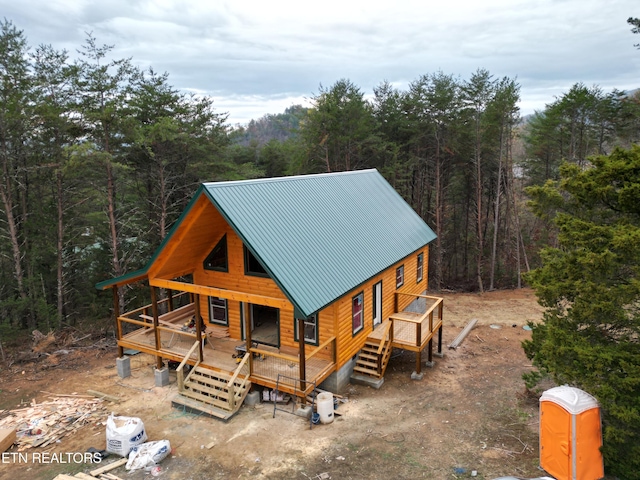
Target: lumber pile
216	332
42	424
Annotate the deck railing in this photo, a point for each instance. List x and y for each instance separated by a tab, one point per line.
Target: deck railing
417	328
267	364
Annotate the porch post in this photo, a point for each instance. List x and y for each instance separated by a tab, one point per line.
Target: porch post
247	333
303	364
116	313
170	299
440	329
196	307
154	308
418	344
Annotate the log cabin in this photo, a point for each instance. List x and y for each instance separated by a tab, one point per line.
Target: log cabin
288	283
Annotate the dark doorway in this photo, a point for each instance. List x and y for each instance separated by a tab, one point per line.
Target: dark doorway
265	325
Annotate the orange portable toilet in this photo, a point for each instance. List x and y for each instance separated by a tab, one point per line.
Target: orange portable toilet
570	434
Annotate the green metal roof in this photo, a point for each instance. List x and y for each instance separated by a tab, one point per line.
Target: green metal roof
320	236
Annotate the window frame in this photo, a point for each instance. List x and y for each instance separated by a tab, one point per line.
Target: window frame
226	256
420	267
400	276
374	301
296	335
247	254
225	306
355	330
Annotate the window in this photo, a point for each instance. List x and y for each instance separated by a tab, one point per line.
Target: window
218	311
420	267
357	312
399	276
217	259
252	265
310	329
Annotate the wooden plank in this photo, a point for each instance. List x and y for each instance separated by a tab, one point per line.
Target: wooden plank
7	438
108	468
222	293
64	476
83	476
104	396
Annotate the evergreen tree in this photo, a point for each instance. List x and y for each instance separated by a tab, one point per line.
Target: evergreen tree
590	287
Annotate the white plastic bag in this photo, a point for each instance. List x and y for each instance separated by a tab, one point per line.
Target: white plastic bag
124	433
148	454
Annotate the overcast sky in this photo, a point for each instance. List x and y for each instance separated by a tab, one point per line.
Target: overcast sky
257	56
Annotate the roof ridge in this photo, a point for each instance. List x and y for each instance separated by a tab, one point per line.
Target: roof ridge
287	178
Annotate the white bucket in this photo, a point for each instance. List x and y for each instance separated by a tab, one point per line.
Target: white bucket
325	407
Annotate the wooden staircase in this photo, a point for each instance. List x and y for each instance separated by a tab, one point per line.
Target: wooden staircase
374	356
214	392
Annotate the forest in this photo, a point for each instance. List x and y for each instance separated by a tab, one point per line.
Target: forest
99	158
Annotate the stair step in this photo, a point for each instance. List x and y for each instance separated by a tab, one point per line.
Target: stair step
370	351
209	382
366	371
215	373
212	378
368	356
365	363
194	406
206	399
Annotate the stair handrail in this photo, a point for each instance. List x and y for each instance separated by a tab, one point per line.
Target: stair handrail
231	383
383	345
179	373
384	336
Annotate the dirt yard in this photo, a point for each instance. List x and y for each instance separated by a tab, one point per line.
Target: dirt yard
470	412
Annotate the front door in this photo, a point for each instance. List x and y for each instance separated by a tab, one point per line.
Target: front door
265	325
377	304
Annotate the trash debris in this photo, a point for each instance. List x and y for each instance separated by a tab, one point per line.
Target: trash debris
100	453
526	327
44	423
124	433
148	454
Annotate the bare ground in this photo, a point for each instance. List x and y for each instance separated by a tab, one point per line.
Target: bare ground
469	412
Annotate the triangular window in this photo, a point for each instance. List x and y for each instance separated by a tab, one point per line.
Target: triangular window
217	259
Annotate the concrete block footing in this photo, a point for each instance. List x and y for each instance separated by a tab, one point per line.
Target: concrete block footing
438	354
123	366
417	376
430	364
367	381
161	377
304	411
252	398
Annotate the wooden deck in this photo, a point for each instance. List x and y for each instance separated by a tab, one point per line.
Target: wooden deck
266	364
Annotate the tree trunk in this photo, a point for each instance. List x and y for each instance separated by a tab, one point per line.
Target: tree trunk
496	213
59	248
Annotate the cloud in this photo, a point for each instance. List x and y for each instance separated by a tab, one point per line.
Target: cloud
253	56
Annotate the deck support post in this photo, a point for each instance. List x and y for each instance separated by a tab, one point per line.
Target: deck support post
419	352
154	308
247	330
116	313
196	307
170	299
303	365
440	354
